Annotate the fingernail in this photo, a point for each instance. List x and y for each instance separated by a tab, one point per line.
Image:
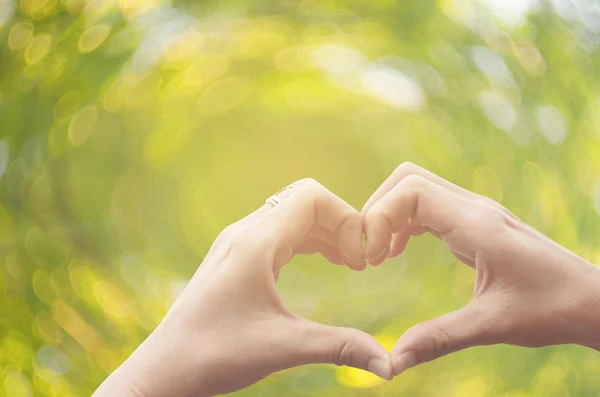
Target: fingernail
380	368
404	361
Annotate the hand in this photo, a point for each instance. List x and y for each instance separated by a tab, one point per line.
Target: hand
529	291
229	328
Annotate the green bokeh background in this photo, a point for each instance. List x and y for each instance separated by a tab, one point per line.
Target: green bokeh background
133	131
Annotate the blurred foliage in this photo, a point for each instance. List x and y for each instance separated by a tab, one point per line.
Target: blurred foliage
133	131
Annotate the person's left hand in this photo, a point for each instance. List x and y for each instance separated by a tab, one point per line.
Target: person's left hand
229	327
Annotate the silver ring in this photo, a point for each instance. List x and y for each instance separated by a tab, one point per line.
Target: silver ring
274	199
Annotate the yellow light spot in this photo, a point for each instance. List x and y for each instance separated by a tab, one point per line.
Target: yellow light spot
82	279
38	48
359	379
387	341
93	37
474	387
184	47
74	7
75	326
294	59
132	8
111	299
17	385
47	329
42	285
38	9
486	182
67	104
49	382
82	125
116	94
549	380
458	10
224	95
205	71
143	89
108	359
258	38
530	58
16	347
20	35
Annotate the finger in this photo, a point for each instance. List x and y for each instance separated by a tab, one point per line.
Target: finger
248	220
400	239
324	235
472	325
319	343
311	205
467	261
314	245
406	169
425	203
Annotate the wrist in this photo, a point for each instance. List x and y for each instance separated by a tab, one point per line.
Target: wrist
584	315
165	364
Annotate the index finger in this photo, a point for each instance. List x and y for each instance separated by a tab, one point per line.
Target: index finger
406	169
460	222
308	204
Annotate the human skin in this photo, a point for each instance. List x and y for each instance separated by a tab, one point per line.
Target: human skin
529	290
229	328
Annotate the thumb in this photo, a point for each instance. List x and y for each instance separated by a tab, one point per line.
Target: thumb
467	327
344	347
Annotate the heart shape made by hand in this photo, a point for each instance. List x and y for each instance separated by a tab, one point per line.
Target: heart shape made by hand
516	266
529	291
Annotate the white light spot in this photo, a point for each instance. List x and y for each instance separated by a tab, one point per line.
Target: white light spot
551	124
565	9
491	65
394	88
337	59
342	64
54	359
511	12
498	110
7	8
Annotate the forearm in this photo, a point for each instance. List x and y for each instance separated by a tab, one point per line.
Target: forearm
116	385
159	367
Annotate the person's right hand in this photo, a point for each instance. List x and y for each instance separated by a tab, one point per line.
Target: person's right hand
529	291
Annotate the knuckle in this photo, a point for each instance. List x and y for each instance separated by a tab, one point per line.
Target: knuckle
442	341
485	216
434	342
313	190
407	168
245	243
345	352
496	206
378	213
310	184
413	181
227	233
